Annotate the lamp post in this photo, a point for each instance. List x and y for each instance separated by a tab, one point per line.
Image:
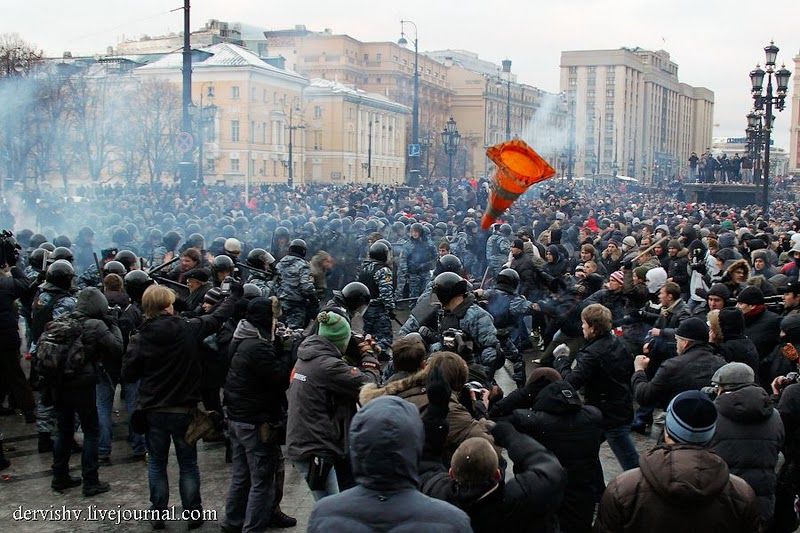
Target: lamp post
292	127
507	70
450	141
210	109
413	156
369	149
185	164
763	105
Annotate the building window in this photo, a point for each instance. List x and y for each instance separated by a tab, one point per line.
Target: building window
234	165
252	131
211	166
235	92
378	58
573	71
235	130
317	111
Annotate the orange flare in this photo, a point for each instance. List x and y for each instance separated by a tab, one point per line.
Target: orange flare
518	167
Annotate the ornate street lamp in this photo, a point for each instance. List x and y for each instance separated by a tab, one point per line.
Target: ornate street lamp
451	138
763	106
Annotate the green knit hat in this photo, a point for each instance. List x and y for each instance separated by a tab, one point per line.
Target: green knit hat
641	272
335	328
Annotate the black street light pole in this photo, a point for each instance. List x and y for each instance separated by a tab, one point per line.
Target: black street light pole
413	160
763	105
185	165
210	109
450	141
292	127
369	151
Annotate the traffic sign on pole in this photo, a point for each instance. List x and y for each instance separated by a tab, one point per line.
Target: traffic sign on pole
185	142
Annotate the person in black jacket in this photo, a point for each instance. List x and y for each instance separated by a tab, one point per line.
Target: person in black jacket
726	335
76	394
691	369
255	400
475	483
13	285
760	325
749	433
164	356
573	432
603	368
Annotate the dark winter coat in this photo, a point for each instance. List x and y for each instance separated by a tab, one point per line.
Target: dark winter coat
749	436
11	289
678	488
691	370
101	338
603	367
322	400
739	350
532	497
257	379
764	330
386	446
573	432
164	355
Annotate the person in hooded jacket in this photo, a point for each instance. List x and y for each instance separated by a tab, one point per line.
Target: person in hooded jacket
749	433
322	396
76	394
556	417
680	485
726	336
556	265
386	445
255	404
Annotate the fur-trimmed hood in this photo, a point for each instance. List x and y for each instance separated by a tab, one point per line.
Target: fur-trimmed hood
739	263
370	391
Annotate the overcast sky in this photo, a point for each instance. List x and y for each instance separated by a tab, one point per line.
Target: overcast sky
714	42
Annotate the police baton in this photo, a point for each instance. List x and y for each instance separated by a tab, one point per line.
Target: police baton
254	269
161	266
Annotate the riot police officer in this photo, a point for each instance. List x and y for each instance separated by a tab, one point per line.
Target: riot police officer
295	289
377	277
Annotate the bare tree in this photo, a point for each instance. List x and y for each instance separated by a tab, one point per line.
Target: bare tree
17	56
159	112
95	121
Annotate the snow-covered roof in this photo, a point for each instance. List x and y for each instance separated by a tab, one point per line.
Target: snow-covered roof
320	86
219	55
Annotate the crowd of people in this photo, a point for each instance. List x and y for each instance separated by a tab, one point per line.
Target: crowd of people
278	313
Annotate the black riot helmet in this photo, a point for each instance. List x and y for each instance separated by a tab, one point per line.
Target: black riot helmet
356	296
136	282
281	233
62	241
37	240
448	285
416	226
449	263
260	258
155	235
47	246
62	252
217	246
223	263
505	229
195	240
508	280
60	274
128	259
251	291
37	258
299	247
171	240
115	267
379	252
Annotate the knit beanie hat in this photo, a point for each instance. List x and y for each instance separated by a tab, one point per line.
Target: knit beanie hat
675	243
335	328
641	272
213	296
751	295
691	418
629	242
727	240
731	322
721	290
727	224
791	326
518	244
617	276
693	329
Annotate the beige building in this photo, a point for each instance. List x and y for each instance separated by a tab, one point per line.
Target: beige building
245	135
353	136
481	107
794	107
632	115
383	68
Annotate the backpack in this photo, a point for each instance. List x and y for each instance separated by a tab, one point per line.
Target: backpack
60	352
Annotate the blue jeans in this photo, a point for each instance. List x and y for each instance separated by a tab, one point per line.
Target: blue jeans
643	416
621	443
254	476
82	403
331	484
105	407
161	427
